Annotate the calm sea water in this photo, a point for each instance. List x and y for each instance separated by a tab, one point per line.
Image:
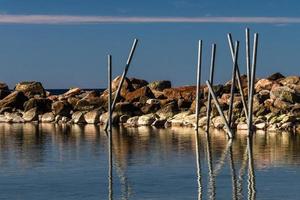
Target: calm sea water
71	162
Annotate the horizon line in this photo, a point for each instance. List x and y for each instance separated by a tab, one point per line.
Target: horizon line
94	19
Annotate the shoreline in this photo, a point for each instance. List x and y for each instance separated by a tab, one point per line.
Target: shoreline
157	104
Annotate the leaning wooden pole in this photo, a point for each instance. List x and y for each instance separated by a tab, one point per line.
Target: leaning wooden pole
234	67
238	77
253	71
198	83
211	80
229	132
123	77
109	78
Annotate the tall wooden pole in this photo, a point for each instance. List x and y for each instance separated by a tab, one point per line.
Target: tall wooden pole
211	80
198	83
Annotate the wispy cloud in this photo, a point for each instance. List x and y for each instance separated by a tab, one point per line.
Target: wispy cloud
73	19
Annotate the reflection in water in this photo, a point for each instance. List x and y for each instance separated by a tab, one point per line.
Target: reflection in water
251	174
148	162
198	162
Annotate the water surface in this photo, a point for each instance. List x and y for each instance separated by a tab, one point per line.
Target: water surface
49	161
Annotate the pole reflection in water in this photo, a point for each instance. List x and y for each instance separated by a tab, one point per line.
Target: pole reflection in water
110	167
241	175
233	175
211	176
198	162
251	174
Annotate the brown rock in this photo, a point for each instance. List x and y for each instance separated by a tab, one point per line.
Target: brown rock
139	95
187	93
14	100
263	84
138	83
275	76
61	108
160	85
31	88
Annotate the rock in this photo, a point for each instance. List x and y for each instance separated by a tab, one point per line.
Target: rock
146	120
133	121
4	90
275	76
43	105
92	117
126	87
73	101
138	83
72	92
290	80
179	119
282	105
218	122
83	105
14	100
61	108
188	93
104	118
242	126
31	88
78	118
159	123
48	117
152	101
168	110
123	119
288	118
183	104
296	110
263	84
31	115
150	108
202	121
14	117
6	109
127	108
284	93
160	85
288	126
140	95
261	125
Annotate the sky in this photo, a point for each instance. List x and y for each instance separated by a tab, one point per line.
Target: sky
65	43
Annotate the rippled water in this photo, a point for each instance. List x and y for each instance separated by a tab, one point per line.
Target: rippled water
71	162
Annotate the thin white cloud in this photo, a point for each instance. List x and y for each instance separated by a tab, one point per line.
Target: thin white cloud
73	19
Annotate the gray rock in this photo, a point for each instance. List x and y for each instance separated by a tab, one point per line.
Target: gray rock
78	118
284	93
132	121
31	88
146	120
48	117
92	117
31	115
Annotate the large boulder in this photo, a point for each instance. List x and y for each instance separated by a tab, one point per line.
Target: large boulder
4	91
263	84
72	92
138	83
276	76
160	85
146	120
140	95
14	100
92	117
61	108
284	93
168	110
290	80
188	93
126	108
88	104
47	117
43	105
31	115
31	88
78	118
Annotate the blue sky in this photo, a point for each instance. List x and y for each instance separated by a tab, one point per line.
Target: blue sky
65	55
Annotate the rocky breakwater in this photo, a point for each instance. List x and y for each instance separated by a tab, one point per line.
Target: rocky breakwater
158	104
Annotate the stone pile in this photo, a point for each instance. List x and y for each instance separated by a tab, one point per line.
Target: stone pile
276	104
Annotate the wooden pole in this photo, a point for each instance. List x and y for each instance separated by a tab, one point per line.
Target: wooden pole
229	132
238	76
248	63
123	77
109	78
211	80
253	71
234	67
198	83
